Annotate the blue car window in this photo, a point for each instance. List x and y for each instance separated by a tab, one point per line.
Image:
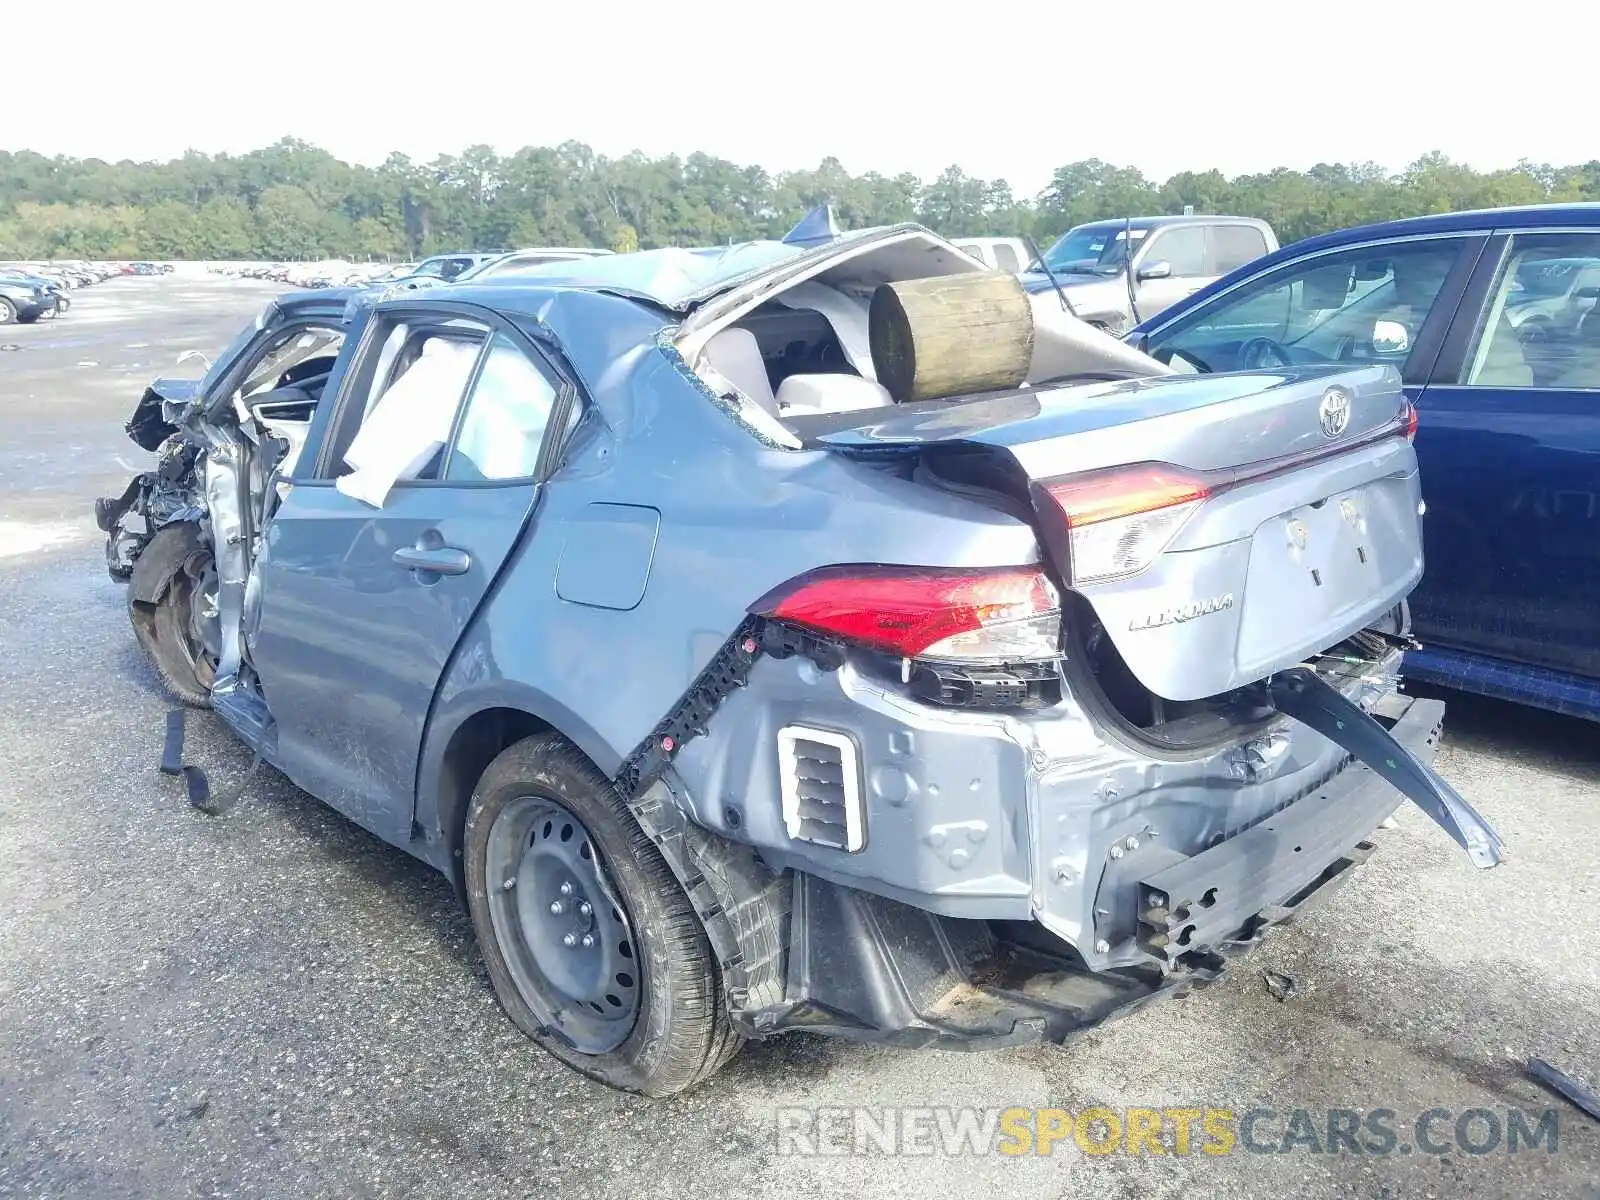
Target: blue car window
1540	329
1365	304
506	415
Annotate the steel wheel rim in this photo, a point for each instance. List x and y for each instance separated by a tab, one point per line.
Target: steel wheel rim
565	938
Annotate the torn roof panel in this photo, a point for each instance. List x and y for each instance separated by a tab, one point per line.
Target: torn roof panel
673	278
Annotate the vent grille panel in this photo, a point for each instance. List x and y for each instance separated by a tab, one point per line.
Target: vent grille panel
821	788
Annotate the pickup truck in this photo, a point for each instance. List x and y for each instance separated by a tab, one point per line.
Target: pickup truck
1173	257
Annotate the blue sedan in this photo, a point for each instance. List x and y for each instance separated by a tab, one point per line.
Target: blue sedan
1490	318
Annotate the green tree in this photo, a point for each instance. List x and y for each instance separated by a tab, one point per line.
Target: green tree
288	223
295	200
223	229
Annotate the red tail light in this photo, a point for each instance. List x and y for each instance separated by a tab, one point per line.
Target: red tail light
990	615
1119	520
1125	492
1412	420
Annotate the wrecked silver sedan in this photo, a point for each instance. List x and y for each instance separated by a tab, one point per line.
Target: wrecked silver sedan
819	635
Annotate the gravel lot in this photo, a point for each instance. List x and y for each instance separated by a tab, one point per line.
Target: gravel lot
274	1003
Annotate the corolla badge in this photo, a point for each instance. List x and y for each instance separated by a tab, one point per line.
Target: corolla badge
1333	414
1180	613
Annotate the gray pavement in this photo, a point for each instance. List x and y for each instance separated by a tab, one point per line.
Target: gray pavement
274	1003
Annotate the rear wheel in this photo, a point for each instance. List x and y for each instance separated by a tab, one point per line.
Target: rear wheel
591	943
8	311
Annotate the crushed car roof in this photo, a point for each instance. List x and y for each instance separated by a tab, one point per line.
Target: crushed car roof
672	278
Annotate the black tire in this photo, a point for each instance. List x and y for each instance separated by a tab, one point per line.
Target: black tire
682	1033
165	628
8	311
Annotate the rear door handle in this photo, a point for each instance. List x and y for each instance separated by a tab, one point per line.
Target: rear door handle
441	560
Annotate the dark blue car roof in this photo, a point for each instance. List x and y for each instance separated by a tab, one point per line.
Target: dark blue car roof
1479	218
1524	217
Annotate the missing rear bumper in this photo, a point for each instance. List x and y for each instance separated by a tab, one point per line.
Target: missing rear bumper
869	969
1224	895
872	969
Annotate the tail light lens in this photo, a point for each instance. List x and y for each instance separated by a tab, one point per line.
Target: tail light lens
989	616
1119	520
1409	415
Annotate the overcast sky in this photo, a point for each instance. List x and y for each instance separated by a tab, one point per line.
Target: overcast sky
1012	89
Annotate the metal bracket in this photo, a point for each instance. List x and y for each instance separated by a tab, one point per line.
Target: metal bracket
1304	695
727	671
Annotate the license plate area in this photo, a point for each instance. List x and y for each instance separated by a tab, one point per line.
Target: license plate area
1318	566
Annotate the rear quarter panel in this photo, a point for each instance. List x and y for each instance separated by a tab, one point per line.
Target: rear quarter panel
736	519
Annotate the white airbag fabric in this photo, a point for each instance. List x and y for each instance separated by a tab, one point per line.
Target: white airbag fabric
846	314
410	422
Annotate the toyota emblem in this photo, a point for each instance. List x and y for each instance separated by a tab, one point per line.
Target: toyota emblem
1333	414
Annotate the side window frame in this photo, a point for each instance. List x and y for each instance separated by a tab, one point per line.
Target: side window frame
221	393
1425	359
357	381
1214	248
1150	250
344	422
563	399
1478	303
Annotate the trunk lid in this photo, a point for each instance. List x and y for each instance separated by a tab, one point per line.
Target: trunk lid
1288	506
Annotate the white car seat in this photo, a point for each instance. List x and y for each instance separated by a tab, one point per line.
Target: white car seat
735	355
802	394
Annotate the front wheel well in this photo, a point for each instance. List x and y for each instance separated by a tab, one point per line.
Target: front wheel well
474	745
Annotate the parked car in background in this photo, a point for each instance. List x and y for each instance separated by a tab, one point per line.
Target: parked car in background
970	720
1172	257
24	299
1552	295
998	253
62	276
55	286
1490	318
519	261
446	267
390	273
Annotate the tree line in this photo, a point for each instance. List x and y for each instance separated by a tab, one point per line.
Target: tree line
292	200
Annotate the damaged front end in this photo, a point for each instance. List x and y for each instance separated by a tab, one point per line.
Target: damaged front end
153	499
182	535
161	535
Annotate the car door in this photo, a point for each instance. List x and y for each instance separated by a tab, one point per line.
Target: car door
1509	443
372	567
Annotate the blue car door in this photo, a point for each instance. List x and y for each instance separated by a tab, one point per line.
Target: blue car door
1509	444
375	563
